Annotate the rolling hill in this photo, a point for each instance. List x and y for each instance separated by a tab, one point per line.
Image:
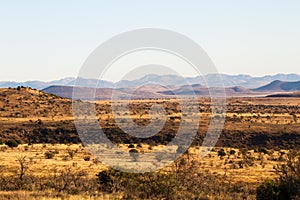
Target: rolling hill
32	116
150	91
157	91
280	86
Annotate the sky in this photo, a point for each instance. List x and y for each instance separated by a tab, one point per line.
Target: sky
49	40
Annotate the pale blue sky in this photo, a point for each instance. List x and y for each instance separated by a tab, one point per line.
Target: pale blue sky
46	40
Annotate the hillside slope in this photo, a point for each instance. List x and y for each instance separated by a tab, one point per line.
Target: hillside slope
280	86
30	115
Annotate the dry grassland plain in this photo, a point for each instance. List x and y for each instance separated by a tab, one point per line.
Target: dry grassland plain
258	134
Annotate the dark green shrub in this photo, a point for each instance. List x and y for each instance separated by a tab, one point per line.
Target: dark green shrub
105	180
137	186
231	152
272	190
49	154
288	185
71	153
221	153
131	146
289	173
268	190
133	151
86	158
12	143
263	150
39	122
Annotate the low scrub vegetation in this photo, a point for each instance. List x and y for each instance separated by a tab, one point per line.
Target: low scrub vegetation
287	186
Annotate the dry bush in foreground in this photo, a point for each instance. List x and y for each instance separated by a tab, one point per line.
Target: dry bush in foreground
182	180
288	185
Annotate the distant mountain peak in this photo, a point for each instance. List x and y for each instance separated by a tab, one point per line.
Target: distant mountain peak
279	85
242	80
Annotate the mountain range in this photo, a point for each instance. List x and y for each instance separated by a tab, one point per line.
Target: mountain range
242	80
156	91
167	86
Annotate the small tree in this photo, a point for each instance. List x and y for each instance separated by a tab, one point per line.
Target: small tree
289	173
23	166
288	185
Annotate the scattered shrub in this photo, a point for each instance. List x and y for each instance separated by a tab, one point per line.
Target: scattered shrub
268	190
288	185
49	154
12	143
39	122
232	152
221	153
133	151
71	153
105	180
87	158
289	173
263	150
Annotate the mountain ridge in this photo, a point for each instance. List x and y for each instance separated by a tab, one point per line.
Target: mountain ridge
243	80
278	85
157	91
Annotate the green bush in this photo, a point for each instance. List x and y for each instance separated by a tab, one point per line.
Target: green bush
268	190
137	186
221	153
263	150
105	180
12	143
231	152
87	158
289	173
288	185
49	154
273	190
133	151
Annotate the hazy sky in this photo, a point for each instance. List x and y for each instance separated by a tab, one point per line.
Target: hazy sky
48	40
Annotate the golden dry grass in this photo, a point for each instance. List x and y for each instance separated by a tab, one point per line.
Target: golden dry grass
245	116
261	164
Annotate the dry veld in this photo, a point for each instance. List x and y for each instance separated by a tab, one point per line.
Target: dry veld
257	135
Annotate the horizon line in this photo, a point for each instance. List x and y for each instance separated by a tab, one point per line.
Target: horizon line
73	77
